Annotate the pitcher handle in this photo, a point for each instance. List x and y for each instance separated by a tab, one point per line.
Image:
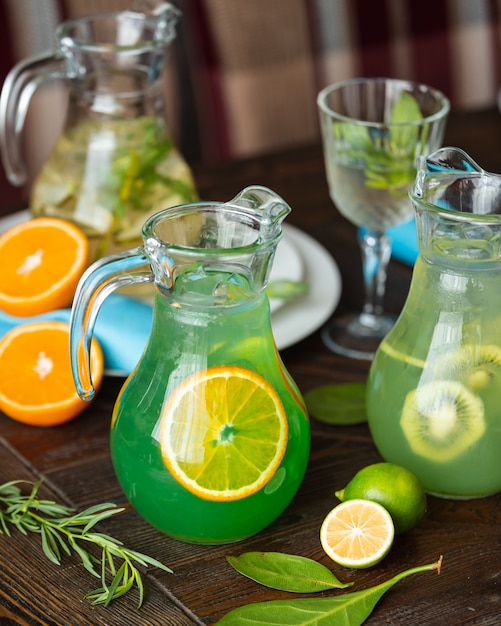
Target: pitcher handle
98	282
17	91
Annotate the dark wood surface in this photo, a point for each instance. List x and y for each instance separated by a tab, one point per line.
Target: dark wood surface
75	464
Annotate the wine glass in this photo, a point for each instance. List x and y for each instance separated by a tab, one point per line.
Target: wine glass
373	131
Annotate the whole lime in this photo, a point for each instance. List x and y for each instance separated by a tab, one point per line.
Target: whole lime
394	487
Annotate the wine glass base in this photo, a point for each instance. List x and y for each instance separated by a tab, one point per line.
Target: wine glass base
357	335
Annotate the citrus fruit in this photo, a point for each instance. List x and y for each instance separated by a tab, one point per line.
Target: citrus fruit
223	433
394	487
36	383
357	533
41	260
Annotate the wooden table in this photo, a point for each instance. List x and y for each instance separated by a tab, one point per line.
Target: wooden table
75	464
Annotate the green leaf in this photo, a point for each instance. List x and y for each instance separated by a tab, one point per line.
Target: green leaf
285	572
136	171
339	405
349	609
4	530
50	546
140	586
406	109
286	289
88	560
386	154
120	584
356	136
97	514
146	560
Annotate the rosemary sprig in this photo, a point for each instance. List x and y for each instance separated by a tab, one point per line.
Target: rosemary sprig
62	531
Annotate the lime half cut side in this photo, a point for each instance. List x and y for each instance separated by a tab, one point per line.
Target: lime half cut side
357	533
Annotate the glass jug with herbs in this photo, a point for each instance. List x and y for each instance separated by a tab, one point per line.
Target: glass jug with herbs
115	162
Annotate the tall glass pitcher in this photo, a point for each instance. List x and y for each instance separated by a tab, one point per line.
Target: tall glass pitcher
115	162
209	435
435	384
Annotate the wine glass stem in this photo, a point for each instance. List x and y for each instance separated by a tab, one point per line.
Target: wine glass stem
376	251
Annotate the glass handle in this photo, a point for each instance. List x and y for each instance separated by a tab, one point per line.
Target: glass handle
98	282
17	91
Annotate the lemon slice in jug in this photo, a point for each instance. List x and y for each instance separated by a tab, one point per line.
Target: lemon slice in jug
223	433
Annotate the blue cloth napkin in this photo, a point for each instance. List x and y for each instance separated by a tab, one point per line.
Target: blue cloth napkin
122	328
404	242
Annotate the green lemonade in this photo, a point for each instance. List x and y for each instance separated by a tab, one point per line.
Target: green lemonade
434	387
191	339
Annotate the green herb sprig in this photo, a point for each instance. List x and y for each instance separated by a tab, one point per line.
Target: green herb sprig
388	155
136	171
63	531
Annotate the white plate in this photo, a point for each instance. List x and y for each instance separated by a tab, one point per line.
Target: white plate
301	317
298	257
14	218
287	265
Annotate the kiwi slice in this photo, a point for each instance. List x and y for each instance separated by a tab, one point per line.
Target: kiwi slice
441	419
483	364
475	365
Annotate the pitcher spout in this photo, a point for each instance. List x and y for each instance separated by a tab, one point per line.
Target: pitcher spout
448	160
163	16
273	208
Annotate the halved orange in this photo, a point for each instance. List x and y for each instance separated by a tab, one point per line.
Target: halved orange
36	383
42	261
223	433
357	533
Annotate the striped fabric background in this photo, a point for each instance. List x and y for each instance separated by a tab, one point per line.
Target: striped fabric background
260	64
244	74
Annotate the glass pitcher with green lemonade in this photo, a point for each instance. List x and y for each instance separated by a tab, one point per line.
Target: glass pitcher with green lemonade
209	436
434	387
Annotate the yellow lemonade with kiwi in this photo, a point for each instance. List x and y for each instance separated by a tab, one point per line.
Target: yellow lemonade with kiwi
434	388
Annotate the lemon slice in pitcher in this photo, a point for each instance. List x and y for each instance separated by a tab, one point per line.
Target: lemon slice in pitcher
223	433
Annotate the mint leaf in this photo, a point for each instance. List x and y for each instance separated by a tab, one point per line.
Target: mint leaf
137	169
356	137
403	139
406	109
388	156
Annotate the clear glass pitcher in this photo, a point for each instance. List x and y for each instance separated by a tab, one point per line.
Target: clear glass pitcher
115	162
209	436
434	387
